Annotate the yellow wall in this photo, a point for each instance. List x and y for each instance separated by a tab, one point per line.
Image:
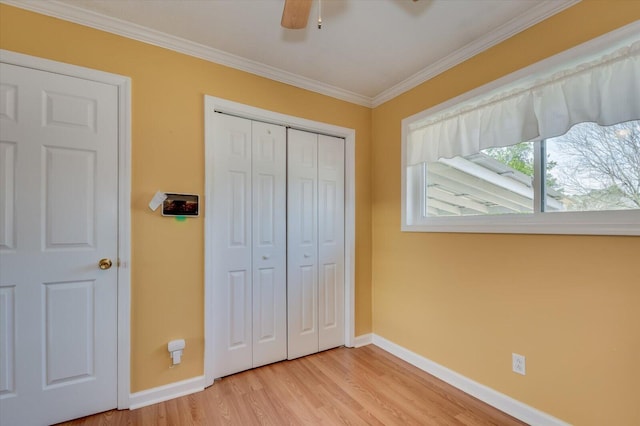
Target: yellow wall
570	304
168	154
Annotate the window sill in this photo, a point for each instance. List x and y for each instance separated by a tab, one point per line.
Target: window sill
574	223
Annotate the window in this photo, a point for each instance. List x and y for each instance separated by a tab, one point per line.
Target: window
466	168
594	168
491	182
590	168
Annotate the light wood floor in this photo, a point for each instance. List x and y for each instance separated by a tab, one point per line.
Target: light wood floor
364	386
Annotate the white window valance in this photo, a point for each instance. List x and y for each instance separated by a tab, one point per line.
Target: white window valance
605	91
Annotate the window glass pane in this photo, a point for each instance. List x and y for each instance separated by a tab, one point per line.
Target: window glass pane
493	181
593	167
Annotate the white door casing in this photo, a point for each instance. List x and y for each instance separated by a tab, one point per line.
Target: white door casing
60	156
249	252
214	105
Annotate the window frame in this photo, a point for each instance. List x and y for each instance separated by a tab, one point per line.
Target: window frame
618	222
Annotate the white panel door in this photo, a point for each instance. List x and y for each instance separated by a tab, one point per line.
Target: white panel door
249	251
58	217
269	243
302	236
315	214
330	242
232	241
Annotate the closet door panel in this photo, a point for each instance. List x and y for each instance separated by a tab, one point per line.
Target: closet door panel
302	233
231	256
269	243
330	242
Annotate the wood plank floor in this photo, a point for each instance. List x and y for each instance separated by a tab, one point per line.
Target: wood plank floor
364	386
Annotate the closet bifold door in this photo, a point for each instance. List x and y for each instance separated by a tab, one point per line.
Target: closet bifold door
302	247
249	248
231	257
269	188
315	234
330	242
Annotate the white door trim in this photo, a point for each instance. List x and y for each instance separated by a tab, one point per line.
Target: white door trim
123	85
213	105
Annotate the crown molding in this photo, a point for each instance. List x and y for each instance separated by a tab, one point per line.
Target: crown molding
147	35
77	15
538	13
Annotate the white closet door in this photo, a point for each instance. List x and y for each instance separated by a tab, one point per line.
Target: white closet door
316	242
232	241
330	242
249	249
269	244
302	236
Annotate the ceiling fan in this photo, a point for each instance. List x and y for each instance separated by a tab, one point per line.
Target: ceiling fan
296	14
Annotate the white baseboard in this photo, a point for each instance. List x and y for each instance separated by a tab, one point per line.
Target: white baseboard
166	392
494	398
363	340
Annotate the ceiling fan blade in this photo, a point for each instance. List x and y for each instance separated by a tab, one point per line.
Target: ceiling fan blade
295	14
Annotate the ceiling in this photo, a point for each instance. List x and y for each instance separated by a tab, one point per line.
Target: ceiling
367	51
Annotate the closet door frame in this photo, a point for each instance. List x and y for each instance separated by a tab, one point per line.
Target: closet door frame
213	105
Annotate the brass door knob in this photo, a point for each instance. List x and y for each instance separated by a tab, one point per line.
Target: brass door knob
105	263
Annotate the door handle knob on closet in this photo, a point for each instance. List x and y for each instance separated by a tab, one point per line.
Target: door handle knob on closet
307	255
265	257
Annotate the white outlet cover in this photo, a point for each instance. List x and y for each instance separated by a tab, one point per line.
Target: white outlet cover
518	363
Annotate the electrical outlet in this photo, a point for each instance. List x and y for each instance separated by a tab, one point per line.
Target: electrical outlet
518	363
